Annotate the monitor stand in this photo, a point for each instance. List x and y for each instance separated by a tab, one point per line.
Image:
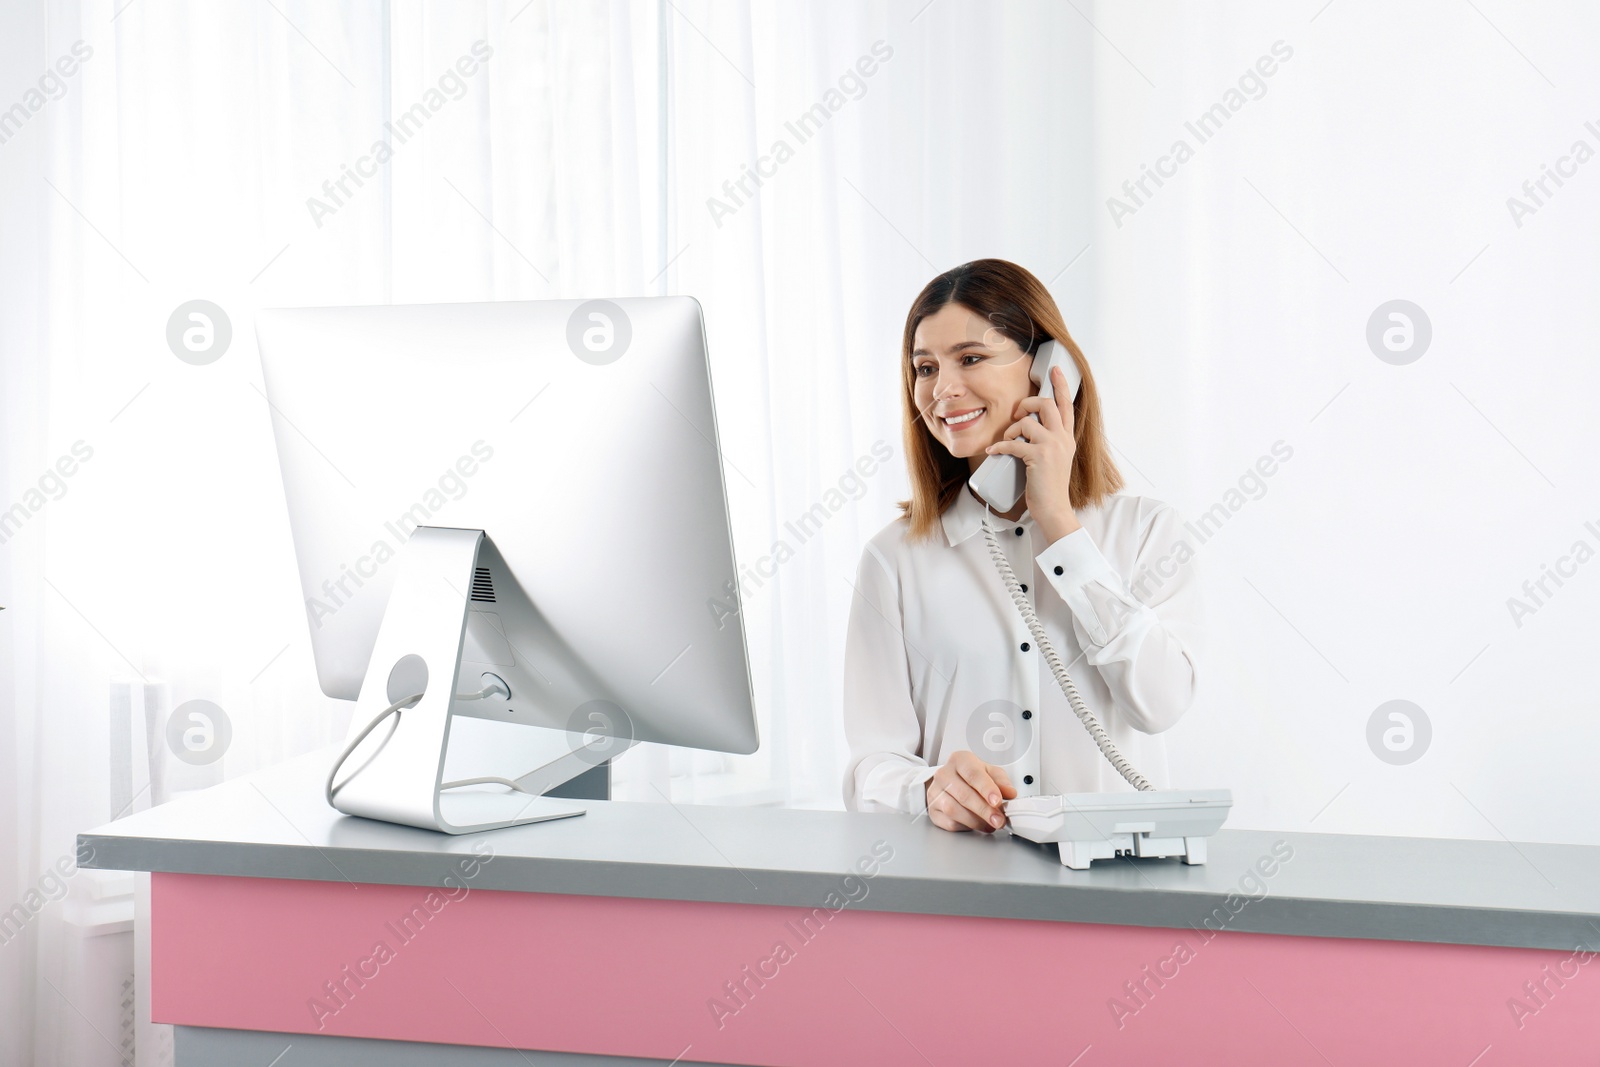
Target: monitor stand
397	774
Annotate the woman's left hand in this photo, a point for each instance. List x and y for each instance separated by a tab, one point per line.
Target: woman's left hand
1047	452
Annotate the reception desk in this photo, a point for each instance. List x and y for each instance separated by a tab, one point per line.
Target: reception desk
660	933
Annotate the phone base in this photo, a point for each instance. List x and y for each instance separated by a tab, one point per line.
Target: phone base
1094	826
1079	854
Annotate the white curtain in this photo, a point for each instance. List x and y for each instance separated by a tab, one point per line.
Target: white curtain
225	152
179	161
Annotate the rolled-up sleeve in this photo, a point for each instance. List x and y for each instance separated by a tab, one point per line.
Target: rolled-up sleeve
886	770
1142	632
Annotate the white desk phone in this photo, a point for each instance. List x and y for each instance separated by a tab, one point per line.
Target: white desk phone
1090	826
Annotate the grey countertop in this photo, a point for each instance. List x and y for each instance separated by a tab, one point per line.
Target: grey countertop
274	824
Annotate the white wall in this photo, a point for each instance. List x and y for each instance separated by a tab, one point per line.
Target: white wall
1379	561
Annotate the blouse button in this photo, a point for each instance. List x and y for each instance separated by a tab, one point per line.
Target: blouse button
1058	570
1019	531
1026	714
1024	588
1024	646
1027	779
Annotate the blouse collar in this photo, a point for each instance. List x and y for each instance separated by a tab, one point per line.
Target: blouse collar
964	518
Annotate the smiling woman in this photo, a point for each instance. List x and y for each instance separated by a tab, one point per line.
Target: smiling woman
982	319
949	707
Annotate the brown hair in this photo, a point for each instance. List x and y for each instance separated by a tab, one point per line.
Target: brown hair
1022	309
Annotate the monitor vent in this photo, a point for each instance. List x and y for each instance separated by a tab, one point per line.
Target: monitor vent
482	586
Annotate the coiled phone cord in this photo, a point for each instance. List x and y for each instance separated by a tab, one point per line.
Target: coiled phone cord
1063	679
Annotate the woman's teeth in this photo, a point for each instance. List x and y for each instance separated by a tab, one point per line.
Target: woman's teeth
962	420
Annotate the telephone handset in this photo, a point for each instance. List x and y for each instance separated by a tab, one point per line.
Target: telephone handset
1001	479
1090	826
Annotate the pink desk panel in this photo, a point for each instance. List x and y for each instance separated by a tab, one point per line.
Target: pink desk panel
757	984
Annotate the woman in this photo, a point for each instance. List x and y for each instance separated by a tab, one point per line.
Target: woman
948	706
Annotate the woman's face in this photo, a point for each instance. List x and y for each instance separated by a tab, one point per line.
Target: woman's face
964	368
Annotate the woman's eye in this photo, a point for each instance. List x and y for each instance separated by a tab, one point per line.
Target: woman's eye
970	355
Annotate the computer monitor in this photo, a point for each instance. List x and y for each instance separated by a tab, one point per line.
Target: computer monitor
518	511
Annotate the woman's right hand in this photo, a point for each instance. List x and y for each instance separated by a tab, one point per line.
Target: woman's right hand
965	793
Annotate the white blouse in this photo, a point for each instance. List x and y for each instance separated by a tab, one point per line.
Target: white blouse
938	659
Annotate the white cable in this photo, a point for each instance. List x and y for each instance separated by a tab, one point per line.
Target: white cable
495	688
1063	679
329	789
488	781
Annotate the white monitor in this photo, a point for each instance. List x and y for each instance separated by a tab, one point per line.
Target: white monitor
526	495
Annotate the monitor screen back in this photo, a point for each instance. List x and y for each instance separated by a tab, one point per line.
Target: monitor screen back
595	472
